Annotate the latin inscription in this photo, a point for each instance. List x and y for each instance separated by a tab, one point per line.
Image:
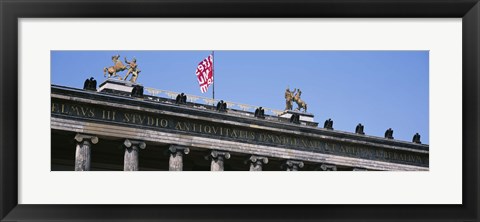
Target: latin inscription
246	135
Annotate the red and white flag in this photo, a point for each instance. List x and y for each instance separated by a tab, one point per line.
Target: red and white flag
205	73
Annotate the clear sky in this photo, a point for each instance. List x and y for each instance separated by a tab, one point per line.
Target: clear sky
380	89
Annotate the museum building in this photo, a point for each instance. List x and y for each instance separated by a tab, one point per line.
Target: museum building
123	126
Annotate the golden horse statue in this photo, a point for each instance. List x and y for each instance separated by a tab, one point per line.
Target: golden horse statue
117	67
300	103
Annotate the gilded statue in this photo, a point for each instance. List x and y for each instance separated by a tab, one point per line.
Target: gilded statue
300	103
132	69
118	66
288	99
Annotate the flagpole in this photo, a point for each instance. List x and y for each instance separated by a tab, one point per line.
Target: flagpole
213	75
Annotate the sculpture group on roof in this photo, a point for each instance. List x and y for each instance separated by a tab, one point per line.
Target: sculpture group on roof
294	96
118	66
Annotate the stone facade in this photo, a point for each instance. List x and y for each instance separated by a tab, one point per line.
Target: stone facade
231	140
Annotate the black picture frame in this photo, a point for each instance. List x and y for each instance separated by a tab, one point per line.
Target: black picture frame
11	11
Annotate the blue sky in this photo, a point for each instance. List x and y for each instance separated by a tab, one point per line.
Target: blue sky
380	89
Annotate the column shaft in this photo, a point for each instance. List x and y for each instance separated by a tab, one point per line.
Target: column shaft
256	162
176	157
131	159
83	150
176	161
82	156
327	167
293	168
359	169
217	160
255	167
293	165
217	164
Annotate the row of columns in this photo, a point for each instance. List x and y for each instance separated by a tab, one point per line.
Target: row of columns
217	158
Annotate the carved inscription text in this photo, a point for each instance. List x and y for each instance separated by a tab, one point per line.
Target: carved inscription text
243	134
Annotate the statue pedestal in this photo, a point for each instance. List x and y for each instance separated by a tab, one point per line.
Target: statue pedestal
115	86
305	118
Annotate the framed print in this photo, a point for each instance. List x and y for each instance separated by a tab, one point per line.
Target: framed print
383	95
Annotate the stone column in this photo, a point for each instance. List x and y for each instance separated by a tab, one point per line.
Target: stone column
256	162
176	157
327	167
359	169
132	147
82	152
293	165
217	158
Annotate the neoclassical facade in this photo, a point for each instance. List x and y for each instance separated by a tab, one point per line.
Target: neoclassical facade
109	129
